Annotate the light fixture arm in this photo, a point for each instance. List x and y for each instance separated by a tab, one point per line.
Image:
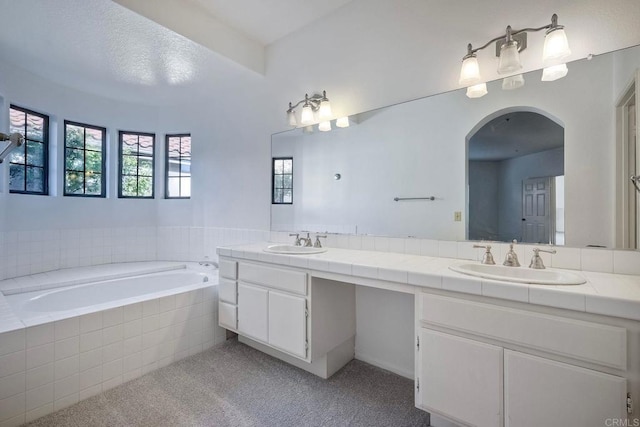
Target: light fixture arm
15	140
313	101
509	34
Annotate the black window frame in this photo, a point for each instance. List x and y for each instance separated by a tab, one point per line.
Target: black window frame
120	164
103	169
273	180
45	152
166	165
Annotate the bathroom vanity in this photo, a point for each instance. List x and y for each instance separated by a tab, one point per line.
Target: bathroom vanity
487	353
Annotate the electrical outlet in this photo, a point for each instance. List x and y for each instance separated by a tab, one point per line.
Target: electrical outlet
457	216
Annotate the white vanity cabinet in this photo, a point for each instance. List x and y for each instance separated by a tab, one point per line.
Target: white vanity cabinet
473	367
309	323
228	295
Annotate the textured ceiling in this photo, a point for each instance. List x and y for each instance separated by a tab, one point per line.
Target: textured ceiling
103	48
366	53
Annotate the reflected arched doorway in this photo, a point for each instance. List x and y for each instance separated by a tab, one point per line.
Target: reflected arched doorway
515	177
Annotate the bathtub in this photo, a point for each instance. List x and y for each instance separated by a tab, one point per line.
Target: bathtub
97	295
102	330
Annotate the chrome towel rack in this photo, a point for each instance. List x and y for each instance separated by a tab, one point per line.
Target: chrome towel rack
397	199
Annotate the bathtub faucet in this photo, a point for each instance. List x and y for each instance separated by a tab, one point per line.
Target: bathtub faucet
207	262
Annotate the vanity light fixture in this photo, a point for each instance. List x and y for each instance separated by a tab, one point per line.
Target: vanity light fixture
311	105
508	48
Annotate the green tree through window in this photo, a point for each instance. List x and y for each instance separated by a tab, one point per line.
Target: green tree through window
85	162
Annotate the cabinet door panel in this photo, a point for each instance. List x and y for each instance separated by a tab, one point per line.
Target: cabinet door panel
460	379
252	312
227	315
288	323
542	392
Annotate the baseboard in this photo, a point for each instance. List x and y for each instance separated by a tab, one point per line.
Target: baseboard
386	366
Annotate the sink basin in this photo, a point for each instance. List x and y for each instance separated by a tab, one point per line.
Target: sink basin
293	250
520	274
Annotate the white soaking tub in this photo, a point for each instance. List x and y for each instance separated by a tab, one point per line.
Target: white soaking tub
103	294
90	329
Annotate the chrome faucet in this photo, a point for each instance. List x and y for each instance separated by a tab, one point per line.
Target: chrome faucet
487	258
317	244
307	241
536	260
297	242
511	260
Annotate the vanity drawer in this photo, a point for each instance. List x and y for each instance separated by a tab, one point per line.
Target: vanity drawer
228	291
591	342
277	278
228	315
228	269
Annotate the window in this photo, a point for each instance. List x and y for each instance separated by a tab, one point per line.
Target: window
137	156
84	160
178	167
29	163
282	181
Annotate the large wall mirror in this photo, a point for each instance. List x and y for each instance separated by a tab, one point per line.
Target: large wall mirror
541	163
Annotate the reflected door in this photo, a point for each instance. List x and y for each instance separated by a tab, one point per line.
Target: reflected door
536	210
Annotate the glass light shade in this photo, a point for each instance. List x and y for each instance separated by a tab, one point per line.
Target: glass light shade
470	71
343	122
556	46
509	58
555	72
513	82
324	126
307	115
477	91
325	111
291	116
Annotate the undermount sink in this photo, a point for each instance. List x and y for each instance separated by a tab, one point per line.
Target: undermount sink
520	274
293	250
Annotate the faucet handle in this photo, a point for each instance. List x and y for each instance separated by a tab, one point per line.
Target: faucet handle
511	259
536	260
297	242
487	258
317	244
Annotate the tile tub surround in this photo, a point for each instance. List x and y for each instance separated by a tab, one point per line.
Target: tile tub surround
51	366
616	295
27	252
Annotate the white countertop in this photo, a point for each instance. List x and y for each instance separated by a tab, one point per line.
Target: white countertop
616	295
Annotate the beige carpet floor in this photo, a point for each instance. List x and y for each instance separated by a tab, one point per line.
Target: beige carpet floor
235	385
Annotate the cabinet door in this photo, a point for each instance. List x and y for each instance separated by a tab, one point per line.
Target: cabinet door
542	392
288	323
252	312
460	379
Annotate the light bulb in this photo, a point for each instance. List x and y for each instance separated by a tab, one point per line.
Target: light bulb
325	110
509	58
324	126
343	122
470	71
477	91
291	116
556	46
554	72
513	82
307	115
